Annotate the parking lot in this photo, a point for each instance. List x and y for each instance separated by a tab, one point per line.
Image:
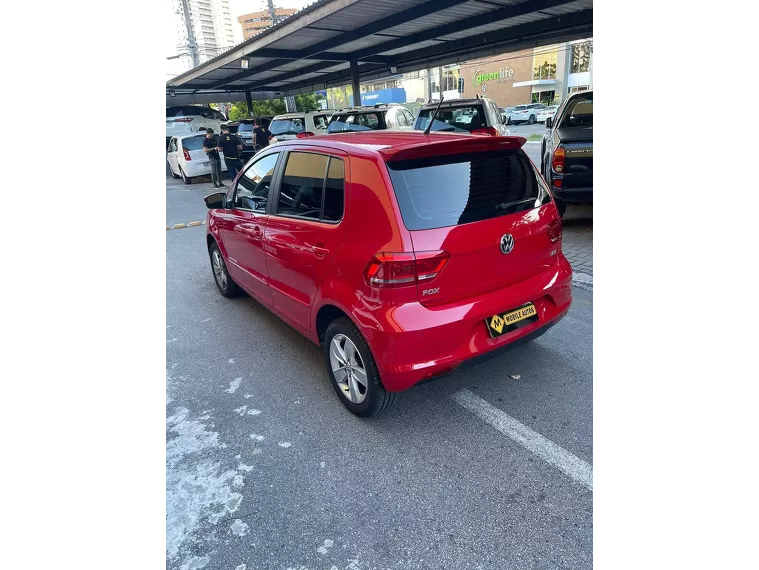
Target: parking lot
485	468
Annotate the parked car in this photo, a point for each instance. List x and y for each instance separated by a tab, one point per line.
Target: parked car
547	113
190	119
567	151
187	159
380	117
478	116
526	113
244	130
403	257
506	115
288	126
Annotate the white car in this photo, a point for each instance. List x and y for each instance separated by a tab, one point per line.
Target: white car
288	126
190	119
547	113
187	159
526	113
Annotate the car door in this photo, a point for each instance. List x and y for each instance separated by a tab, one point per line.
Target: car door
305	229
172	155
242	227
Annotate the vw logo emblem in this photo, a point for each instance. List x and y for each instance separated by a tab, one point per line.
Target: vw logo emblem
507	243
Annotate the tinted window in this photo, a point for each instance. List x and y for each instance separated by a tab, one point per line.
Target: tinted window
453	119
253	188
342	122
579	112
302	185
245	127
320	122
335	191
218	116
193	143
173	111
287	126
442	191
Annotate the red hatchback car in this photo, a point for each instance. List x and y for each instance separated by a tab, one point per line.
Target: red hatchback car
403	255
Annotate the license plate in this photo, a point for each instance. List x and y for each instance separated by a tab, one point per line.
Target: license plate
508	321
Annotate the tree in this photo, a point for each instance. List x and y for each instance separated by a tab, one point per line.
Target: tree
271	107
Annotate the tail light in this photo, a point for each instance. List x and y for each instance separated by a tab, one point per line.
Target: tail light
557	161
399	269
184	120
186	154
304	135
486	131
559	183
554	230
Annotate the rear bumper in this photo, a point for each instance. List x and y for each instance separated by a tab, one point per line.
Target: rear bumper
574	195
416	343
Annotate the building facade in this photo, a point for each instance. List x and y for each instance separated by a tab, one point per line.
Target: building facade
256	22
211	25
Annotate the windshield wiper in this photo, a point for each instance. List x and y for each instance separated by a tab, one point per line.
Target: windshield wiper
508	205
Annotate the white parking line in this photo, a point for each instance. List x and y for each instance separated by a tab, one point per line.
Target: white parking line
568	463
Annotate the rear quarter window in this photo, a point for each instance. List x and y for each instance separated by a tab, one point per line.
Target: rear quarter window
443	191
355	122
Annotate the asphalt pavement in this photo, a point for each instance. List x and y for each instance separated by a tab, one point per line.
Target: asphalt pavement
488	468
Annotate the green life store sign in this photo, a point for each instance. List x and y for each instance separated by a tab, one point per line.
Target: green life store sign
504	75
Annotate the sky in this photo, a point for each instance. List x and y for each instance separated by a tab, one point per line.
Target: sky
237	8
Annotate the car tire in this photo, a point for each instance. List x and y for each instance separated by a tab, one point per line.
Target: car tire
344	343
174	175
186	179
508	121
221	277
561	206
531	120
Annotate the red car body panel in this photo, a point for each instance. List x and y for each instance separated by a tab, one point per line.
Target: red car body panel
298	267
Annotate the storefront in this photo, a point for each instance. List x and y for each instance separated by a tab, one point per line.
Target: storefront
498	78
393	95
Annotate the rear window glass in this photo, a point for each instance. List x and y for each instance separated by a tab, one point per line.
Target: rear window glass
579	112
443	191
287	126
453	119
245	127
341	123
193	143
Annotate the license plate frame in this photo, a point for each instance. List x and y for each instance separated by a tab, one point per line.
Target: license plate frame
507	321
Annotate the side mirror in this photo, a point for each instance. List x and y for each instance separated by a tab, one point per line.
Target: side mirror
215	200
549	122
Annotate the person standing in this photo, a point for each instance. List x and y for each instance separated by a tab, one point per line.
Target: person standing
231	146
261	134
209	147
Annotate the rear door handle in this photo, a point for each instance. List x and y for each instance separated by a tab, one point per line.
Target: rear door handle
319	251
255	233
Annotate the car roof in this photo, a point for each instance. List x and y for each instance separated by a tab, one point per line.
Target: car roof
298	114
455	102
404	144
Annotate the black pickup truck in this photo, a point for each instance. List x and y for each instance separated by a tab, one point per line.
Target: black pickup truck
566	158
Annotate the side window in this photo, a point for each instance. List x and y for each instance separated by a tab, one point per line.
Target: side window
409	117
390	119
173	145
370	120
218	116
252	190
320	122
302	185
334	197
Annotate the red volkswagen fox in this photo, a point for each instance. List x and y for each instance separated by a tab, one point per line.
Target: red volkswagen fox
404	255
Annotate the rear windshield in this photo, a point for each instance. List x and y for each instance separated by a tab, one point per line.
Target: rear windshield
245	127
443	191
453	119
193	143
341	123
287	126
579	112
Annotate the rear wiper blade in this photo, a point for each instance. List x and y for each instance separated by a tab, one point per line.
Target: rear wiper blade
508	205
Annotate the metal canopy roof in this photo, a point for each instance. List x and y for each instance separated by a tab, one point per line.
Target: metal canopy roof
312	50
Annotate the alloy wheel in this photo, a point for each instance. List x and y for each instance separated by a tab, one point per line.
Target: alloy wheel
219	271
348	368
